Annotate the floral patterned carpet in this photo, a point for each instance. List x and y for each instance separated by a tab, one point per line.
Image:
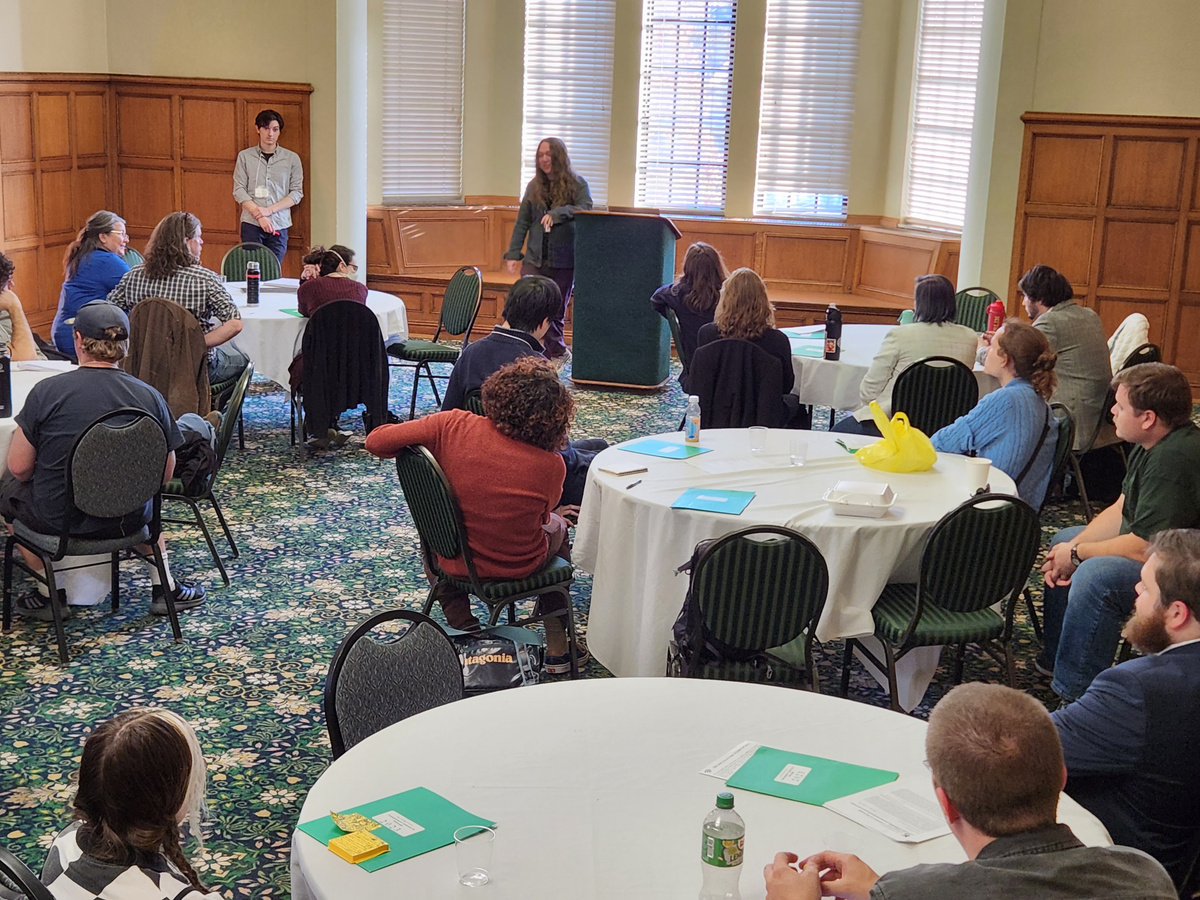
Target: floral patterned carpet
323	542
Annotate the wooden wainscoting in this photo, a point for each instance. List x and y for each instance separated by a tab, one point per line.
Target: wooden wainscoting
867	270
1113	202
140	146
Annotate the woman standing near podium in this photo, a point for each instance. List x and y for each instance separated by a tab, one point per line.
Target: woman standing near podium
547	217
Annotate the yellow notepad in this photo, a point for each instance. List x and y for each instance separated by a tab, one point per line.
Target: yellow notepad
358	846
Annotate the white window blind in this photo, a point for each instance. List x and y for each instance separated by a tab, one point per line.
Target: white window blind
807	110
683	122
568	85
422	101
943	113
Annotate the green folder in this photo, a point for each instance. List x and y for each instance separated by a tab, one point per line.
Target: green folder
436	816
809	779
713	500
293	312
665	449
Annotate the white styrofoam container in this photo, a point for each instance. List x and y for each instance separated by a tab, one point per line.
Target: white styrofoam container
860	498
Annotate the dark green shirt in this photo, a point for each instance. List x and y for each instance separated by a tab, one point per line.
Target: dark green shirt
1162	485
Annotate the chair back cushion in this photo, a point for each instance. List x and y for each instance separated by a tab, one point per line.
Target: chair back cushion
460	303
233	264
971	307
1146	353
430	501
738	384
935	391
383	674
979	553
677	337
758	588
117	464
345	364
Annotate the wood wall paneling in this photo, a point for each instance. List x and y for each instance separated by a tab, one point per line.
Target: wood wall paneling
53	126
1137	255
25	277
1146	173
89	193
889	263
817	262
16	128
1114	310
1187	353
380	250
210	131
20	206
443	243
50	277
91	124
207	195
1064	242
146	195
737	248
145	126
1065	169
58	217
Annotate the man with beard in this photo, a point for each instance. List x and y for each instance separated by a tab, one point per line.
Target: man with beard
1131	743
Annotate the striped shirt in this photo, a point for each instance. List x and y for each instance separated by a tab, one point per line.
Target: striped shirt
195	288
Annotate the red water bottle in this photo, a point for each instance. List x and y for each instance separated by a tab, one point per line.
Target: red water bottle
995	316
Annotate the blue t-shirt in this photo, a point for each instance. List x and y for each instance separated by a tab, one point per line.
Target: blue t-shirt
97	274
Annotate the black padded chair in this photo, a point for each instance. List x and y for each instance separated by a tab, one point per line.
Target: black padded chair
935	391
978	555
460	306
380	676
755	589
175	491
19	878
474	401
739	385
344	365
1146	353
132	257
971	307
233	263
436	513
1065	429
115	467
1105	421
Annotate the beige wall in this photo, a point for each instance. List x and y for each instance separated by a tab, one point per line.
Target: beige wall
53	36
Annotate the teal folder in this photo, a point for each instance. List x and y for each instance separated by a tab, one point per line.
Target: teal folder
713	500
665	449
293	312
797	335
808	779
817	352
435	816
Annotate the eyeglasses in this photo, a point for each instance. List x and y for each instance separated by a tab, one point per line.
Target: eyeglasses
353	267
120	233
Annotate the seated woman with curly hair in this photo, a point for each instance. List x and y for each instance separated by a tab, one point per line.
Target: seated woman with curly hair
507	474
141	777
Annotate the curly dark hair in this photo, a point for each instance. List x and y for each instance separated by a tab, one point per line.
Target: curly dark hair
167	250
7	267
527	402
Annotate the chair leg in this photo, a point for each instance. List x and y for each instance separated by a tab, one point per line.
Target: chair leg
116	582
241	430
847	658
59	631
1010	663
168	595
9	546
412	406
212	548
437	398
893	687
212	498
428	604
1027	595
1083	496
572	645
960	658
814	680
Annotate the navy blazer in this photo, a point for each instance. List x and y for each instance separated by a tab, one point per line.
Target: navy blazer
1132	749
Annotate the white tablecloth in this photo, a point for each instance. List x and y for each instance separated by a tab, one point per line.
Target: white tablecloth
596	790
835	383
271	337
632	540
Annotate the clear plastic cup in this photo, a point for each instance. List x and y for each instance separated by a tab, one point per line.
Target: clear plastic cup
473	852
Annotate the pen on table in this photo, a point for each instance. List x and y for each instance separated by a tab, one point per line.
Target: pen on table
633	484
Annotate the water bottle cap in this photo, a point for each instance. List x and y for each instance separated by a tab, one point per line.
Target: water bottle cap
692	397
724	800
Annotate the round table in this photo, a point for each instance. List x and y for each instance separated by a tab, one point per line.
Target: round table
597	792
835	383
272	330
632	541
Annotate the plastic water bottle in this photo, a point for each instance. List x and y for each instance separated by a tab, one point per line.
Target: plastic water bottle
691	421
252	278
721	849
995	316
833	332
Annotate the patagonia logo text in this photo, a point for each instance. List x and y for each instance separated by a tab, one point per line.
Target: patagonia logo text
488	658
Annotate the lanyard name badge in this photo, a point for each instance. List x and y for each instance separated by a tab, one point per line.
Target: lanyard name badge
261	191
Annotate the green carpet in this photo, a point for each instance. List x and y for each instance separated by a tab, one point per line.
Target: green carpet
324	543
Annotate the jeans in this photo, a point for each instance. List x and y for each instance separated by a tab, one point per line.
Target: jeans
1083	621
225	361
276	243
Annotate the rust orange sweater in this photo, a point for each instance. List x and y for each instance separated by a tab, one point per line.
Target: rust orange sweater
505	487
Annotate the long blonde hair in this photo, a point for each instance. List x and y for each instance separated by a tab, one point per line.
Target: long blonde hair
744	310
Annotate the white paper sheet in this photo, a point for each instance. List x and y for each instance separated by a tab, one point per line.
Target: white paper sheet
730	762
904	810
741	464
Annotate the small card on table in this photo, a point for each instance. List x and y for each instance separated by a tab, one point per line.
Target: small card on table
665	449
714	500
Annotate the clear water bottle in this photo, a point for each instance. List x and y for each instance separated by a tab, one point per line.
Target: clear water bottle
691	421
721	850
833	332
253	276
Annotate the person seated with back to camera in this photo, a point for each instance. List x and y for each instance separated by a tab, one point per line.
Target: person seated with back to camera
93	265
933	332
693	298
744	312
507	474
14	327
1012	426
997	769
141	777
529	308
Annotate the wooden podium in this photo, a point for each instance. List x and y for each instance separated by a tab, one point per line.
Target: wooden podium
621	259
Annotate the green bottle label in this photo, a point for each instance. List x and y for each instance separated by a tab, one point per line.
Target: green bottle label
724	853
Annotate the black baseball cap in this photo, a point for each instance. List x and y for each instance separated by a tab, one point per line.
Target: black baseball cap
95	318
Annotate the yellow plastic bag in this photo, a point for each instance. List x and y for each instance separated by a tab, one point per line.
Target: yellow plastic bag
902	449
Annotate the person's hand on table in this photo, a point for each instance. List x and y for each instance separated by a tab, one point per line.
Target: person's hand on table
842	875
570	512
784	882
512	265
547	221
1058	567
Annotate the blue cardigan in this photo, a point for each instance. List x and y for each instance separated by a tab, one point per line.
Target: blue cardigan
96	275
1004	427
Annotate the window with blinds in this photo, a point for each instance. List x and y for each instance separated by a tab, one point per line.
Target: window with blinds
568	85
683	121
422	121
943	113
807	110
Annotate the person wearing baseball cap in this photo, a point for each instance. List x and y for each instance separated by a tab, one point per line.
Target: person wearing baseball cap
55	414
